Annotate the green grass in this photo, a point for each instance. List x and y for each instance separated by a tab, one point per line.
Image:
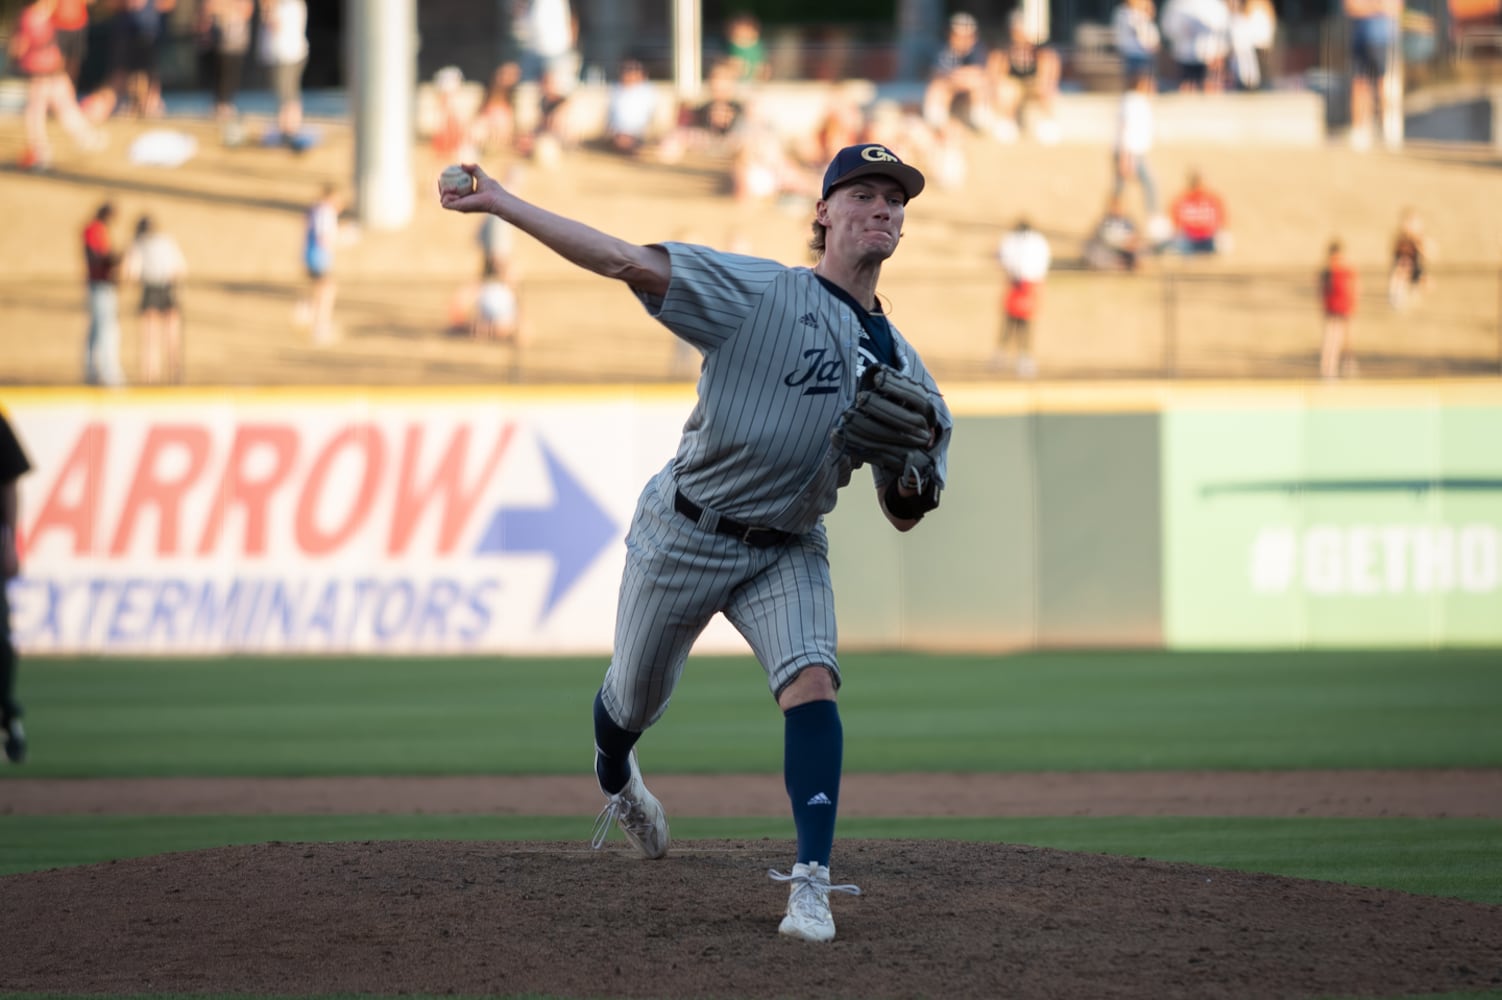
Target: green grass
1033	712
1439	858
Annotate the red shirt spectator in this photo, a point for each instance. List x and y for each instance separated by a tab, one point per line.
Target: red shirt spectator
1022	299
34	46
100	260
71	15
1338	283
1198	215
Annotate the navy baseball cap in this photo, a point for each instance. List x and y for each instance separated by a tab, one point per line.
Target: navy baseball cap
871	158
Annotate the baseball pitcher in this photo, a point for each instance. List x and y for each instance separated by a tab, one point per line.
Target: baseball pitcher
803	380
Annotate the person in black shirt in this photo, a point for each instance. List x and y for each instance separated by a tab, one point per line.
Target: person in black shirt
13	465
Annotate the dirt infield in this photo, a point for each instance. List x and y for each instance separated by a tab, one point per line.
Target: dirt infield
936	918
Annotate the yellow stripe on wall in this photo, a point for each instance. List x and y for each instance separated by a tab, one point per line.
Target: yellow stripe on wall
965	398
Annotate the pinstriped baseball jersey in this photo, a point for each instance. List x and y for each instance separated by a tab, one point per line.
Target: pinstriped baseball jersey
782	356
782	359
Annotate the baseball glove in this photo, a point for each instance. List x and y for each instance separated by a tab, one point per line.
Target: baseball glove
891	425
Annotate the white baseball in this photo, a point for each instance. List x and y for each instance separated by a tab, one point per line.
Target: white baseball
456	180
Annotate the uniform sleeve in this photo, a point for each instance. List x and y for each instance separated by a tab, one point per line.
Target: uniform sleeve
711	294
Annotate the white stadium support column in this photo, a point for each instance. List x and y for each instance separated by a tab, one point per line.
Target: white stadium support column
1391	101
382	61
688	47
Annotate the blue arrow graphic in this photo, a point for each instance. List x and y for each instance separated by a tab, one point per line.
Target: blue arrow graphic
574	530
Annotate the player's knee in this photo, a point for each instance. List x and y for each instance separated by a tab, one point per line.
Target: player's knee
815	682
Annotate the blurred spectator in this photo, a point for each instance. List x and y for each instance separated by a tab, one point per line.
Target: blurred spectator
1374	27
941	153
631	114
70	20
763	170
453	131
841	124
548	36
744	49
497	242
1338	287
1134	28
1252	26
1028	71
49	90
13	465
1197	33
960	84
497	237
1025	259
896	128
156	261
1134	140
944	157
496	314
320	240
1115	244
284	50
1411	248
554	131
99	103
224	29
1199	219
101	364
140	31
494	127
712	127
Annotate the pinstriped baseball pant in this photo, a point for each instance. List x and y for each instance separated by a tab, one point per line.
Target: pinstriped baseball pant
678	576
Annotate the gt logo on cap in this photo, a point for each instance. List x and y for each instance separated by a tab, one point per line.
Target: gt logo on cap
871	158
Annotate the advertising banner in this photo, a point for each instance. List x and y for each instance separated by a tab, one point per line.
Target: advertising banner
262	522
1326	525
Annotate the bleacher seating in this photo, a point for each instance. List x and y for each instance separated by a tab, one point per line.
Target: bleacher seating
1267	118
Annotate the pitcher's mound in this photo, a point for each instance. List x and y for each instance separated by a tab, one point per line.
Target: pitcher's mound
936	918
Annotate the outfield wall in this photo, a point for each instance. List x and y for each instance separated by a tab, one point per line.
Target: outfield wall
1135	514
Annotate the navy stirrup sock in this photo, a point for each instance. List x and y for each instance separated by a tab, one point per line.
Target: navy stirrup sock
613	761
813	752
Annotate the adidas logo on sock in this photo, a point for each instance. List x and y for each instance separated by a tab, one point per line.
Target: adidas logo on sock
820	800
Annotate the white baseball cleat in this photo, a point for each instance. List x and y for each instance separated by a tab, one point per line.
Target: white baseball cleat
639	815
808	917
